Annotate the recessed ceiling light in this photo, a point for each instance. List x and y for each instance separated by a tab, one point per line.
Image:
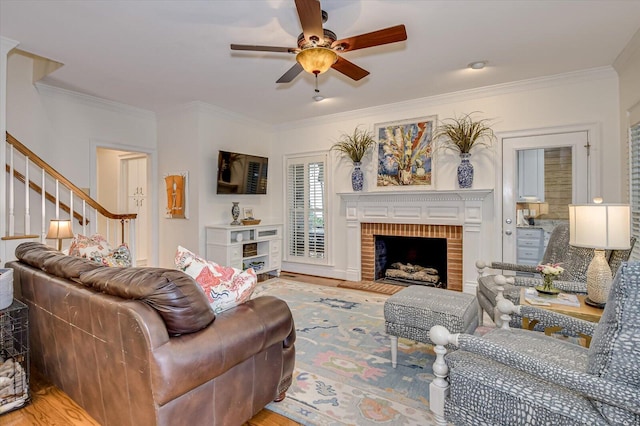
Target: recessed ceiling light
477	65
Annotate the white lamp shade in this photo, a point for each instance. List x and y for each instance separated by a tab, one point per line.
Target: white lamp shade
59	229
600	226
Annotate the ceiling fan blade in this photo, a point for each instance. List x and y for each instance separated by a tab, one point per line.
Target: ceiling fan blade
310	18
264	48
349	69
291	74
375	38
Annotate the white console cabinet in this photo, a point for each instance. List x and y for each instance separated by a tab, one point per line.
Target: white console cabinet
243	247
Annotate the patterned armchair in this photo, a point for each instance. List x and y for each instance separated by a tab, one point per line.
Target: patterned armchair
515	376
574	260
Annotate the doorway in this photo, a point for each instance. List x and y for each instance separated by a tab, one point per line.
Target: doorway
123	187
541	175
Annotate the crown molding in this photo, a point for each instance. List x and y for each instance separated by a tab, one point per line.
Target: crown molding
569	78
94	101
630	50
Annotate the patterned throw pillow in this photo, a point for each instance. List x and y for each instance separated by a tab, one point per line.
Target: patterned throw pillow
120	257
225	287
98	249
83	246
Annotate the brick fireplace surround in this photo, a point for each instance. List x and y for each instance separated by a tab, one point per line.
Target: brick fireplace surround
453	235
454	215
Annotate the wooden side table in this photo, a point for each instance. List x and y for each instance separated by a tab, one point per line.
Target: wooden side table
584	312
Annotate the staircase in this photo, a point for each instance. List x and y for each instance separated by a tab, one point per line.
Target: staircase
37	193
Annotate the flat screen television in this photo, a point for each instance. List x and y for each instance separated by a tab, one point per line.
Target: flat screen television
241	173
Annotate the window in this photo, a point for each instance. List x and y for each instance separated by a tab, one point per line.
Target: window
306	209
634	138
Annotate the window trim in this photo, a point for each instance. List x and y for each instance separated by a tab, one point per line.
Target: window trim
328	184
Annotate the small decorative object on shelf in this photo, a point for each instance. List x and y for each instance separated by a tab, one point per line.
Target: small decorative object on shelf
235	213
549	272
256	265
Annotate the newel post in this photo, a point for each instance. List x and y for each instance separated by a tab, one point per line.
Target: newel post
439	387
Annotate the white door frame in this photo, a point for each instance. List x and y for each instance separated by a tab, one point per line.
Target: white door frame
152	171
593	171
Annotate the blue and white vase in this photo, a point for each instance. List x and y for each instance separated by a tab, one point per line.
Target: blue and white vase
465	171
357	177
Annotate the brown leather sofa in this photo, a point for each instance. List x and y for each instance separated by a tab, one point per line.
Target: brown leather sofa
141	346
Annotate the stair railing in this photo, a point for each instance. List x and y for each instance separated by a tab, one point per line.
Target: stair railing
90	217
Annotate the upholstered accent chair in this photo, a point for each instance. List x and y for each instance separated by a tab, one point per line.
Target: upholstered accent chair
514	376
574	260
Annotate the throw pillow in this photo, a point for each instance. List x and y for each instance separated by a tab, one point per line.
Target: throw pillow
83	246
98	249
120	257
225	287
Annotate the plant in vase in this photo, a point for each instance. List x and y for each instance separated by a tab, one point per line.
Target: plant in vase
461	134
355	146
549	272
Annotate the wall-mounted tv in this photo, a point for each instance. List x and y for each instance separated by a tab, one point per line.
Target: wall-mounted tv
241	173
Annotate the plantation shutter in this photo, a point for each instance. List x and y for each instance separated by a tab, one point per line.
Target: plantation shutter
306	209
634	138
253	176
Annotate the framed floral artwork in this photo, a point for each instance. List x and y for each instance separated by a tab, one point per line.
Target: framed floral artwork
405	152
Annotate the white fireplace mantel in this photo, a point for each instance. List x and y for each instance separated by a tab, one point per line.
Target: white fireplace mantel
463	208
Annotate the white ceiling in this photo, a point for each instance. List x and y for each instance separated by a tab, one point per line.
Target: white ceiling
159	54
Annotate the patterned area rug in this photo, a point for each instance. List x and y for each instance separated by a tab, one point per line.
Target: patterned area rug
343	371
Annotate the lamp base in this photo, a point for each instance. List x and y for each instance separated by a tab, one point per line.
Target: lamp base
598	278
594	304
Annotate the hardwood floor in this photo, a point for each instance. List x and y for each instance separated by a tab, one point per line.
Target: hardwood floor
50	406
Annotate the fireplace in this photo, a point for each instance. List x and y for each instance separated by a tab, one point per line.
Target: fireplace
410	260
447	236
455	216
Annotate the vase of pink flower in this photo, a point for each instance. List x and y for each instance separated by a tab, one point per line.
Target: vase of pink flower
549	272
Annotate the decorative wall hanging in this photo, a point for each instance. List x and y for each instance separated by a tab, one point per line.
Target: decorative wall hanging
405	152
177	188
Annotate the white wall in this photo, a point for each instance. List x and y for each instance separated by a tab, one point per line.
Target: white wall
60	125
580	98
628	67
64	127
189	139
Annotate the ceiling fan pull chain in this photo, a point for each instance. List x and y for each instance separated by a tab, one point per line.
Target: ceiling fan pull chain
317	97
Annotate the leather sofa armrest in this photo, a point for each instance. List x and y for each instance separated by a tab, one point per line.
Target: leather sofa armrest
186	362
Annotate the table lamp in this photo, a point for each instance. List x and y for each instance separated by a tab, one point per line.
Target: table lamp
60	229
601	227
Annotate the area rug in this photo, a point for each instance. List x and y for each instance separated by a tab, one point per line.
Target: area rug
343	373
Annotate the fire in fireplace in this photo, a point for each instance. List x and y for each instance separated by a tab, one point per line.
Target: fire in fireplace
411	260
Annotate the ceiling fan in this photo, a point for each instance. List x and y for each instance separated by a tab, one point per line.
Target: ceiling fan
318	48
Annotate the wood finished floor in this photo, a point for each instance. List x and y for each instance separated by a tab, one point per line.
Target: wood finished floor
50	406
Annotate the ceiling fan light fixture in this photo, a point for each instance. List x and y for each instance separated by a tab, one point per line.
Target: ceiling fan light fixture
316	60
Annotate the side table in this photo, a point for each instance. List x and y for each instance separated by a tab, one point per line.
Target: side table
584	312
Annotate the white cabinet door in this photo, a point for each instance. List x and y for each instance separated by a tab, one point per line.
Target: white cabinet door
531	175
